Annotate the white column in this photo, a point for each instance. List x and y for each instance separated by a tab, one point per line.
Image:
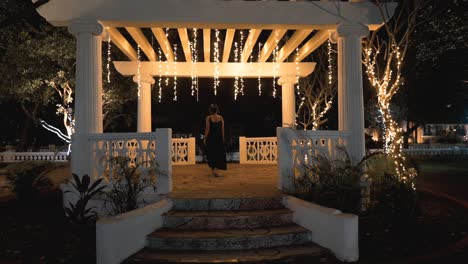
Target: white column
288	101
164	160
88	92
144	103
350	95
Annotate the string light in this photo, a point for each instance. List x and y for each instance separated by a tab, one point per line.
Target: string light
194	71
296	61
241	50
275	61
160	75
330	67
393	134
315	102
166	43
108	57
139	71
236	78
216	61
175	72
259	71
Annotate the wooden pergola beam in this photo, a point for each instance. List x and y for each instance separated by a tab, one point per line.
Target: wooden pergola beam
160	36
292	44
318	39
206	44
270	44
141	40
206	69
185	43
250	43
227	44
122	43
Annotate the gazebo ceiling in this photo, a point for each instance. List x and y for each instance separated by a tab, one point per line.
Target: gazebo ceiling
151	39
297	28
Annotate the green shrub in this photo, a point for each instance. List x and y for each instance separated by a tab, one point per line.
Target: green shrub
78	213
392	196
333	183
27	179
130	184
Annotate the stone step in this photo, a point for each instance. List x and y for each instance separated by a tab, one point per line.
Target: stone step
228	204
224	239
227	219
309	253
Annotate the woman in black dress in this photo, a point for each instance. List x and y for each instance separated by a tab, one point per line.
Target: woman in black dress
214	140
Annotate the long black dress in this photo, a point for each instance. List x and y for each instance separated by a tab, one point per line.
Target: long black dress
215	152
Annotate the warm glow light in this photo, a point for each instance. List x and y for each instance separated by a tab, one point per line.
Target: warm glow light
275	60
166	43
236	78
241	51
259	71
108	57
194	71
216	62
175	72
387	86
160	76
139	71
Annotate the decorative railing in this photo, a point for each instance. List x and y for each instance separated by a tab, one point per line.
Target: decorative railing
306	145
183	151
261	150
10	157
298	148
140	148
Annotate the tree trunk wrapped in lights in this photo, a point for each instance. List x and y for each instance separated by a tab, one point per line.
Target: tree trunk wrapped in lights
383	55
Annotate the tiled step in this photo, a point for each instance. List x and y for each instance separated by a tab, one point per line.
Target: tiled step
307	253
227	204
228	239
227	219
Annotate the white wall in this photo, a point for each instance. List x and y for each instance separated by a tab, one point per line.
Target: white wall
120	236
330	228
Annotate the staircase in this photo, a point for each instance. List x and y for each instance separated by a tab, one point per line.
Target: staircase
238	230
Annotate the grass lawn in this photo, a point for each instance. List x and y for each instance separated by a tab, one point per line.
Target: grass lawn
449	176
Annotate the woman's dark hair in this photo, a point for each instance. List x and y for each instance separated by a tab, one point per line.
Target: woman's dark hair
213	109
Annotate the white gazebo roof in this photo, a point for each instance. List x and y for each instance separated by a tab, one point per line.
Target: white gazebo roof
131	23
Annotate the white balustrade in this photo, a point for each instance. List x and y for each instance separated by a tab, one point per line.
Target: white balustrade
10	157
297	148
140	148
259	150
183	151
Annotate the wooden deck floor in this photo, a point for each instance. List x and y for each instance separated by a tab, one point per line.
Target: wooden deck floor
195	181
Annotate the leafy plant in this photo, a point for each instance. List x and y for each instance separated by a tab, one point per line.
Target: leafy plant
27	179
130	183
391	196
79	212
333	183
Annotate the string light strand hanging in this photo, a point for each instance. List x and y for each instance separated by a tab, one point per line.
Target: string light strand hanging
216	62
108	57
139	72
236	78
175	72
241	51
194	70
168	47
160	75
259	79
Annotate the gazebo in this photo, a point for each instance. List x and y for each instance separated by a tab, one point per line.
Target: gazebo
129	24
95	21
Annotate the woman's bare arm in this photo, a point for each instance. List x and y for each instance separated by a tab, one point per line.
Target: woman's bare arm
207	127
222	127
